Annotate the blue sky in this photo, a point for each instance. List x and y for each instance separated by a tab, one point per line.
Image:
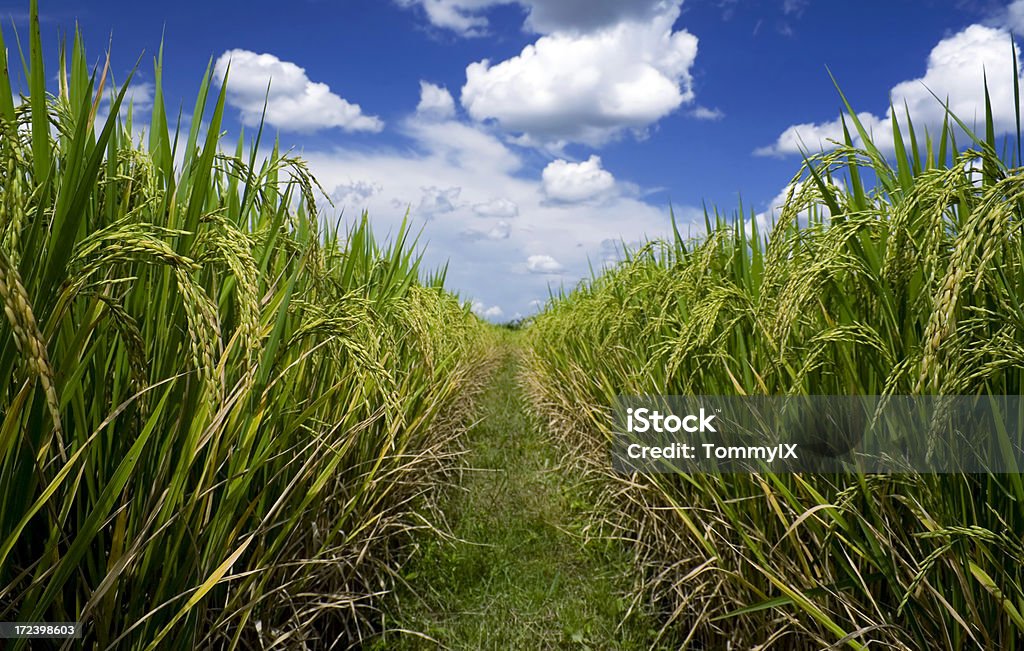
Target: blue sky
527	138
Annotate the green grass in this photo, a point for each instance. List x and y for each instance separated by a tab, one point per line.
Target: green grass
518	571
217	413
222	420
914	285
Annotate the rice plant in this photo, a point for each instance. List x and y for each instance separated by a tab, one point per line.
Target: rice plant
217	413
910	284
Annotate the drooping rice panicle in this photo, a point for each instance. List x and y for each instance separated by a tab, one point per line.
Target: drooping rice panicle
217	415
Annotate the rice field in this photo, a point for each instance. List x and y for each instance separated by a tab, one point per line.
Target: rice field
884	275
229	422
220	418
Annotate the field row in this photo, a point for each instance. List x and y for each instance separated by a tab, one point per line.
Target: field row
912	284
218	417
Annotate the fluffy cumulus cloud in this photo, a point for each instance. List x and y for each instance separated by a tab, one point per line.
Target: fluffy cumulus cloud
543	264
574	182
295	103
599	69
955	71
435	101
586	87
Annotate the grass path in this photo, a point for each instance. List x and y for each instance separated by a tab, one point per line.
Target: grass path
518	575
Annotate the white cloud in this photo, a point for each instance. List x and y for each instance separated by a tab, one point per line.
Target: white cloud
547	16
705	113
487	312
139	96
497	208
486	257
574	182
436	201
462	145
543	264
502	230
355	194
812	137
435	101
956	70
601	68
460	16
587	87
1013	17
295	103
466	17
